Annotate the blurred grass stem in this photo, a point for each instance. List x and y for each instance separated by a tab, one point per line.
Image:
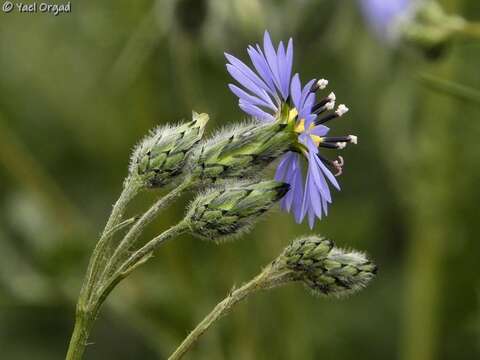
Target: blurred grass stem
471	30
27	170
451	88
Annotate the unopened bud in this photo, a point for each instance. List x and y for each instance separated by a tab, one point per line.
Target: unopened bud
162	155
430	28
224	212
324	269
241	152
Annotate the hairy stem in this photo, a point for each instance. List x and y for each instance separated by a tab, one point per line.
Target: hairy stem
81	332
135	231
136	259
120	226
87	312
223	308
84	317
130	189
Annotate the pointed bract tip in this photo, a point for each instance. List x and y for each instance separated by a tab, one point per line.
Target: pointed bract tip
201	118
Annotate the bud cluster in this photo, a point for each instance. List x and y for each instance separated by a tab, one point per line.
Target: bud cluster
323	268
225	212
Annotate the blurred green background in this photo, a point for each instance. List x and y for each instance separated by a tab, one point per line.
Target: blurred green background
77	91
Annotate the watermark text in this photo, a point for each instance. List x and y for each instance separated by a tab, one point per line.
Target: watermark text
36	7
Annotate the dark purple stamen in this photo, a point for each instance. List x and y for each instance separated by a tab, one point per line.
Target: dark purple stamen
326	118
318	106
335	139
328	145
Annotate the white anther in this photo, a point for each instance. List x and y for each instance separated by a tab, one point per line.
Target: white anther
353	139
341	110
330	105
332	96
341	145
322	83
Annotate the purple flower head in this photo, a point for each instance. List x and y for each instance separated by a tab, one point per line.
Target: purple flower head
384	15
266	88
263	95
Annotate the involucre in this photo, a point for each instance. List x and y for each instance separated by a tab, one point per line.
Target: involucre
241	151
224	212
323	268
162	155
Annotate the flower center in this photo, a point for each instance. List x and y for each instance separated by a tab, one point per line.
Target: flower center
299	127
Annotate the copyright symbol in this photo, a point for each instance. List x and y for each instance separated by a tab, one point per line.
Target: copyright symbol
7	6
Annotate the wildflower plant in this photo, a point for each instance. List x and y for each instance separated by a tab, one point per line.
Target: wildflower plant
227	172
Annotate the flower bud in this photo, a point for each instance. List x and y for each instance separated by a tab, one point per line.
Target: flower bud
324	269
430	28
224	212
241	151
162	155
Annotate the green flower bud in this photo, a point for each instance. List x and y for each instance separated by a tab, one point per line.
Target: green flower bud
224	212
430	28
324	269
162	155
241	151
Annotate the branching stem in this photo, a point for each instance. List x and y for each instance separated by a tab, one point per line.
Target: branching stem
136	259
131	188
135	231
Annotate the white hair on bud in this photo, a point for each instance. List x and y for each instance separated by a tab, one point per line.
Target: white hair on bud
332	96
341	110
149	141
322	83
232	129
347	256
353	139
354	255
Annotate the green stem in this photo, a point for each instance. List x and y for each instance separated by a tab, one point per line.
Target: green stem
135	231
81	332
138	258
86	314
130	190
223	308
85	318
120	226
